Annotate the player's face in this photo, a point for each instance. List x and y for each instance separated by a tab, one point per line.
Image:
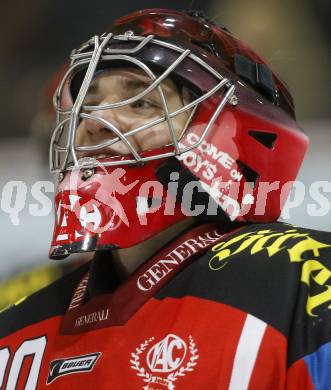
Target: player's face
115	85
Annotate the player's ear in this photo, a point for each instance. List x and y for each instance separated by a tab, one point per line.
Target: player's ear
187	96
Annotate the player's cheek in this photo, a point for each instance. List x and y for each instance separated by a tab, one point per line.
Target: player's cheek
80	138
179	122
155	137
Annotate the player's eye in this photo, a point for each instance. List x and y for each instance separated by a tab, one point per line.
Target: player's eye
143	104
91	102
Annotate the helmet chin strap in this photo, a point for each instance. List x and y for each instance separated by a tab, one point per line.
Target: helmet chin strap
199	198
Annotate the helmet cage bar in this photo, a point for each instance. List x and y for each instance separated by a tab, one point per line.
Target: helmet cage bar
77	54
156	82
193	104
69	124
74	117
135	98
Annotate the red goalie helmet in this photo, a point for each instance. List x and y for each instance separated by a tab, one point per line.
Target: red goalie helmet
227	152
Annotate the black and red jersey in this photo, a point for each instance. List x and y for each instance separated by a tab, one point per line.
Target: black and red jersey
245	310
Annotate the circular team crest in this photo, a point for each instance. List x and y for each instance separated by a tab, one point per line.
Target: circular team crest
170	358
167	355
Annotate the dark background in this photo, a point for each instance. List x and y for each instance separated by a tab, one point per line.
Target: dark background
38	35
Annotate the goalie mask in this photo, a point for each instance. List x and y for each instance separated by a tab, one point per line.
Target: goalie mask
163	117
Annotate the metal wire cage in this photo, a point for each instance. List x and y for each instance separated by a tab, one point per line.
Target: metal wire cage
148	55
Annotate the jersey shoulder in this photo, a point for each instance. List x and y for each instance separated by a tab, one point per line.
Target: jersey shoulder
281	243
48	302
261	269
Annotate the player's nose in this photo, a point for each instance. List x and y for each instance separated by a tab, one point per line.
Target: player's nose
103	124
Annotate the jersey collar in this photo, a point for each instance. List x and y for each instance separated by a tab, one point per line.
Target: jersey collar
116	308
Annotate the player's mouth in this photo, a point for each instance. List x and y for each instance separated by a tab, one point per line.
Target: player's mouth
99	156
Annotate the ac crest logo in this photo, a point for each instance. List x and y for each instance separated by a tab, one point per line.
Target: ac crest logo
163	363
